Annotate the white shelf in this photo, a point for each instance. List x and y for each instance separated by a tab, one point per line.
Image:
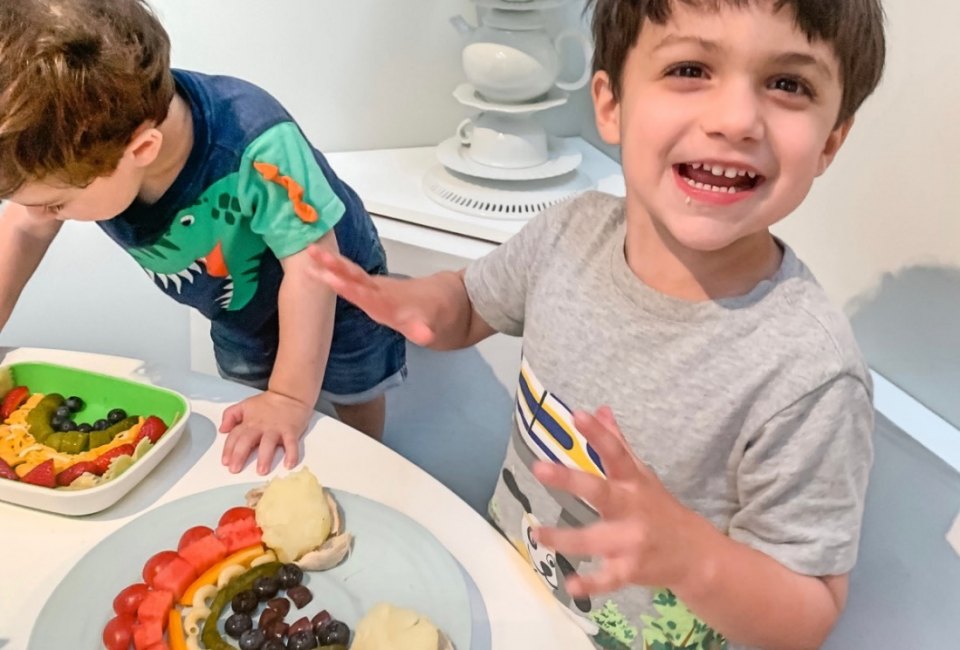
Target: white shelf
389	181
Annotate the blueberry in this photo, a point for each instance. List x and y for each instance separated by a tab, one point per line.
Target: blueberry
63	411
56	421
302	641
100	425
237	624
266	587
74	403
290	575
252	640
116	415
67	425
244	602
333	632
85	428
273	644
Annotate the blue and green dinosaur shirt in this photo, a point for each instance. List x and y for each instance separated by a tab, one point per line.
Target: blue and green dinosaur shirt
253	191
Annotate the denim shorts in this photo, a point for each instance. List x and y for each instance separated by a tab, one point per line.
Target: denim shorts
366	358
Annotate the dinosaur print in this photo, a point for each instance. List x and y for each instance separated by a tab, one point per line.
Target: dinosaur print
212	237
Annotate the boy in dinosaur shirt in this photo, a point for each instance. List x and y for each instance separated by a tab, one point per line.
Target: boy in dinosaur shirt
692	425
212	188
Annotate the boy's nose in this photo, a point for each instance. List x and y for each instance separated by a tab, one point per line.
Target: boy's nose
734	113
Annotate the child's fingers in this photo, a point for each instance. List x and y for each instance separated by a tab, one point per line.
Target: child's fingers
268	445
615	455
232	416
291	450
605	581
246	440
597	540
592	489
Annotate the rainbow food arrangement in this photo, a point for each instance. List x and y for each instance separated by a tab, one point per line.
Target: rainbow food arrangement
241	584
74	442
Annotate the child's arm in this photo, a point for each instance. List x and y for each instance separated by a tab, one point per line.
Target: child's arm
23	243
433	311
647	537
279	416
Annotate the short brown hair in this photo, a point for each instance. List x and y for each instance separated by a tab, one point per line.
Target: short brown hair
77	79
854	28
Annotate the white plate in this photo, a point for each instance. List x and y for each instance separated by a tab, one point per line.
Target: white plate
467	95
95	499
564	158
521	5
394	559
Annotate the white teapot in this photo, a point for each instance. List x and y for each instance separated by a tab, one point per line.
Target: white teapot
510	58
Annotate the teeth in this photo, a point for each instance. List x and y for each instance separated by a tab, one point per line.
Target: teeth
697	165
752	174
730	172
710	188
186	275
164	280
720	170
150	274
717	170
196	268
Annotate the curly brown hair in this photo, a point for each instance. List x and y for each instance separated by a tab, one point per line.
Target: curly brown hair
77	79
854	28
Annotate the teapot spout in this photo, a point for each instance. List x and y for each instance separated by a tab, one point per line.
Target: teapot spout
461	25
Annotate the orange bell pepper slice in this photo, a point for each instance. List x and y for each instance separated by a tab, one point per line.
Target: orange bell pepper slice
244	556
175	635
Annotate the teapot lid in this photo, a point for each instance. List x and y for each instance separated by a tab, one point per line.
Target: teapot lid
513	19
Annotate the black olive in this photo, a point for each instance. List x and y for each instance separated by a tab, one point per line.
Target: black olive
273	644
237	624
116	415
74	403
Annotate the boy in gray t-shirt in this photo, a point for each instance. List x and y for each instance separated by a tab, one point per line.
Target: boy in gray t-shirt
693	419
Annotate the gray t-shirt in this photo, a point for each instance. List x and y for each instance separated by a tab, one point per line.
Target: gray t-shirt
754	411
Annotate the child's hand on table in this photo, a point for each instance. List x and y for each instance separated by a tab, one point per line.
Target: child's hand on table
644	536
263	423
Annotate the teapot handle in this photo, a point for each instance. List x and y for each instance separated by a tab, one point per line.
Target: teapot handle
587	49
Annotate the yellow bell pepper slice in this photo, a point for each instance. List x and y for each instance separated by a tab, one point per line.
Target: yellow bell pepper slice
244	556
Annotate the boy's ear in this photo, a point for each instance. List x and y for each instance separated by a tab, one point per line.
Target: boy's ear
832	146
606	108
145	145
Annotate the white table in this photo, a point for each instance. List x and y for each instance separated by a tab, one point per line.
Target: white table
39	548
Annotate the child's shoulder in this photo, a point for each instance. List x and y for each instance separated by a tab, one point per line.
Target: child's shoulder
814	326
580	220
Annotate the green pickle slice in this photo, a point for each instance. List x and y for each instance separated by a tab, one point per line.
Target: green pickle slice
211	635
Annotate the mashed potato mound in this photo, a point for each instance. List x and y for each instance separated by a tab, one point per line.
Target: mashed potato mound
293	515
386	627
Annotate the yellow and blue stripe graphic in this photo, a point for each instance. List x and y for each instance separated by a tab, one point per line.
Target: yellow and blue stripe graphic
546	426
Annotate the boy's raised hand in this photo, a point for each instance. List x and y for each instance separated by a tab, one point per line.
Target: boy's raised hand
388	301
644	536
261	424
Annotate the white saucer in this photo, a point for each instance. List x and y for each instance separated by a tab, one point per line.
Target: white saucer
564	158
467	95
520	5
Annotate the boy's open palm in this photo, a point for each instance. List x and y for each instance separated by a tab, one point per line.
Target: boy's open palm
386	300
644	536
260	424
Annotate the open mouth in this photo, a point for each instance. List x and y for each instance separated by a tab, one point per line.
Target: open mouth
721	179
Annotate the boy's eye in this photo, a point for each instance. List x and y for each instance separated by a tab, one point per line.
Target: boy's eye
791	86
687	70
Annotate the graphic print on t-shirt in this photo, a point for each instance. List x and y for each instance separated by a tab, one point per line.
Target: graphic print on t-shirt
545	431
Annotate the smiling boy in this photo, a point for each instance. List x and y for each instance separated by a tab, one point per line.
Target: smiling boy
693	420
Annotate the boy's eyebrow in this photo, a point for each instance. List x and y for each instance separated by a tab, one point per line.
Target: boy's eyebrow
676	39
800	58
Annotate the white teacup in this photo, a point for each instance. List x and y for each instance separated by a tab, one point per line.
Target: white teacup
503	140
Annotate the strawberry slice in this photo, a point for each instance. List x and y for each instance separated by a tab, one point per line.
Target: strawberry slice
7	472
152	428
13	400
102	462
42	475
69	475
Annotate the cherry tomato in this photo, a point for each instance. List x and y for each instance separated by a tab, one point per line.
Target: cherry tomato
128	600
155	565
236	514
192	535
118	633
